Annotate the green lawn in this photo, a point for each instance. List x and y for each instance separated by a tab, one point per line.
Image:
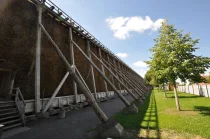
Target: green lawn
158	117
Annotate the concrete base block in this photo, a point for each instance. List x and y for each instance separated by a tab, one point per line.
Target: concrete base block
46	115
139	102
31	118
131	109
79	105
62	114
114	132
143	97
1	131
52	112
109	129
73	107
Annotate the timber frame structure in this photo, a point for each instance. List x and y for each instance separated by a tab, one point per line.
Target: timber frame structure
71	67
115	73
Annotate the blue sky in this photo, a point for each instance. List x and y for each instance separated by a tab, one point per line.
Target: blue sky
128	27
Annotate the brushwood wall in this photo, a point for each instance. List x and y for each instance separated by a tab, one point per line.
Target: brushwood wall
18	31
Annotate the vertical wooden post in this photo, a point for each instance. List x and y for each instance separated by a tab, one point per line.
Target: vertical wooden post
110	68
72	62
38	57
13	74
121	74
138	79
101	115
92	72
124	78
1	131
102	67
117	76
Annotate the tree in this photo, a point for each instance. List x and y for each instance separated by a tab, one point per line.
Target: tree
153	79
148	77
173	57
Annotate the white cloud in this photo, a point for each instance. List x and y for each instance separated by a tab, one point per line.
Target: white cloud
140	67
142	72
122	55
122	26
141	64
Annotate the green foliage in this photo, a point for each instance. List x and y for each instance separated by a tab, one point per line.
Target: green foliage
154	79
148	77
208	80
133	120
173	56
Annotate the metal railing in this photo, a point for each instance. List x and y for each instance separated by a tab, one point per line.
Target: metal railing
20	103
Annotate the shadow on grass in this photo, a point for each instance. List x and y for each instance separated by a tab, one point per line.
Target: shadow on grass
132	121
203	110
145	122
185	97
149	125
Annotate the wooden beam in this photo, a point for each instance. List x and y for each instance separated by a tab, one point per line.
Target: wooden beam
91	70
101	115
72	62
37	66
102	67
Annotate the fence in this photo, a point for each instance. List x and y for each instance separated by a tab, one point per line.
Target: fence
200	90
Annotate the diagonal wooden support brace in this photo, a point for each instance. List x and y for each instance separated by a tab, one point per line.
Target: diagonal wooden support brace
92	72
101	115
128	80
142	84
125	101
121	72
55	93
134	96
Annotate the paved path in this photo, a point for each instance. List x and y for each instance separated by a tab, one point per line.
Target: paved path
74	126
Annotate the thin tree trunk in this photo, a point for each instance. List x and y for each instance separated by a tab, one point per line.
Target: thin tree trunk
165	95
176	97
164	90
